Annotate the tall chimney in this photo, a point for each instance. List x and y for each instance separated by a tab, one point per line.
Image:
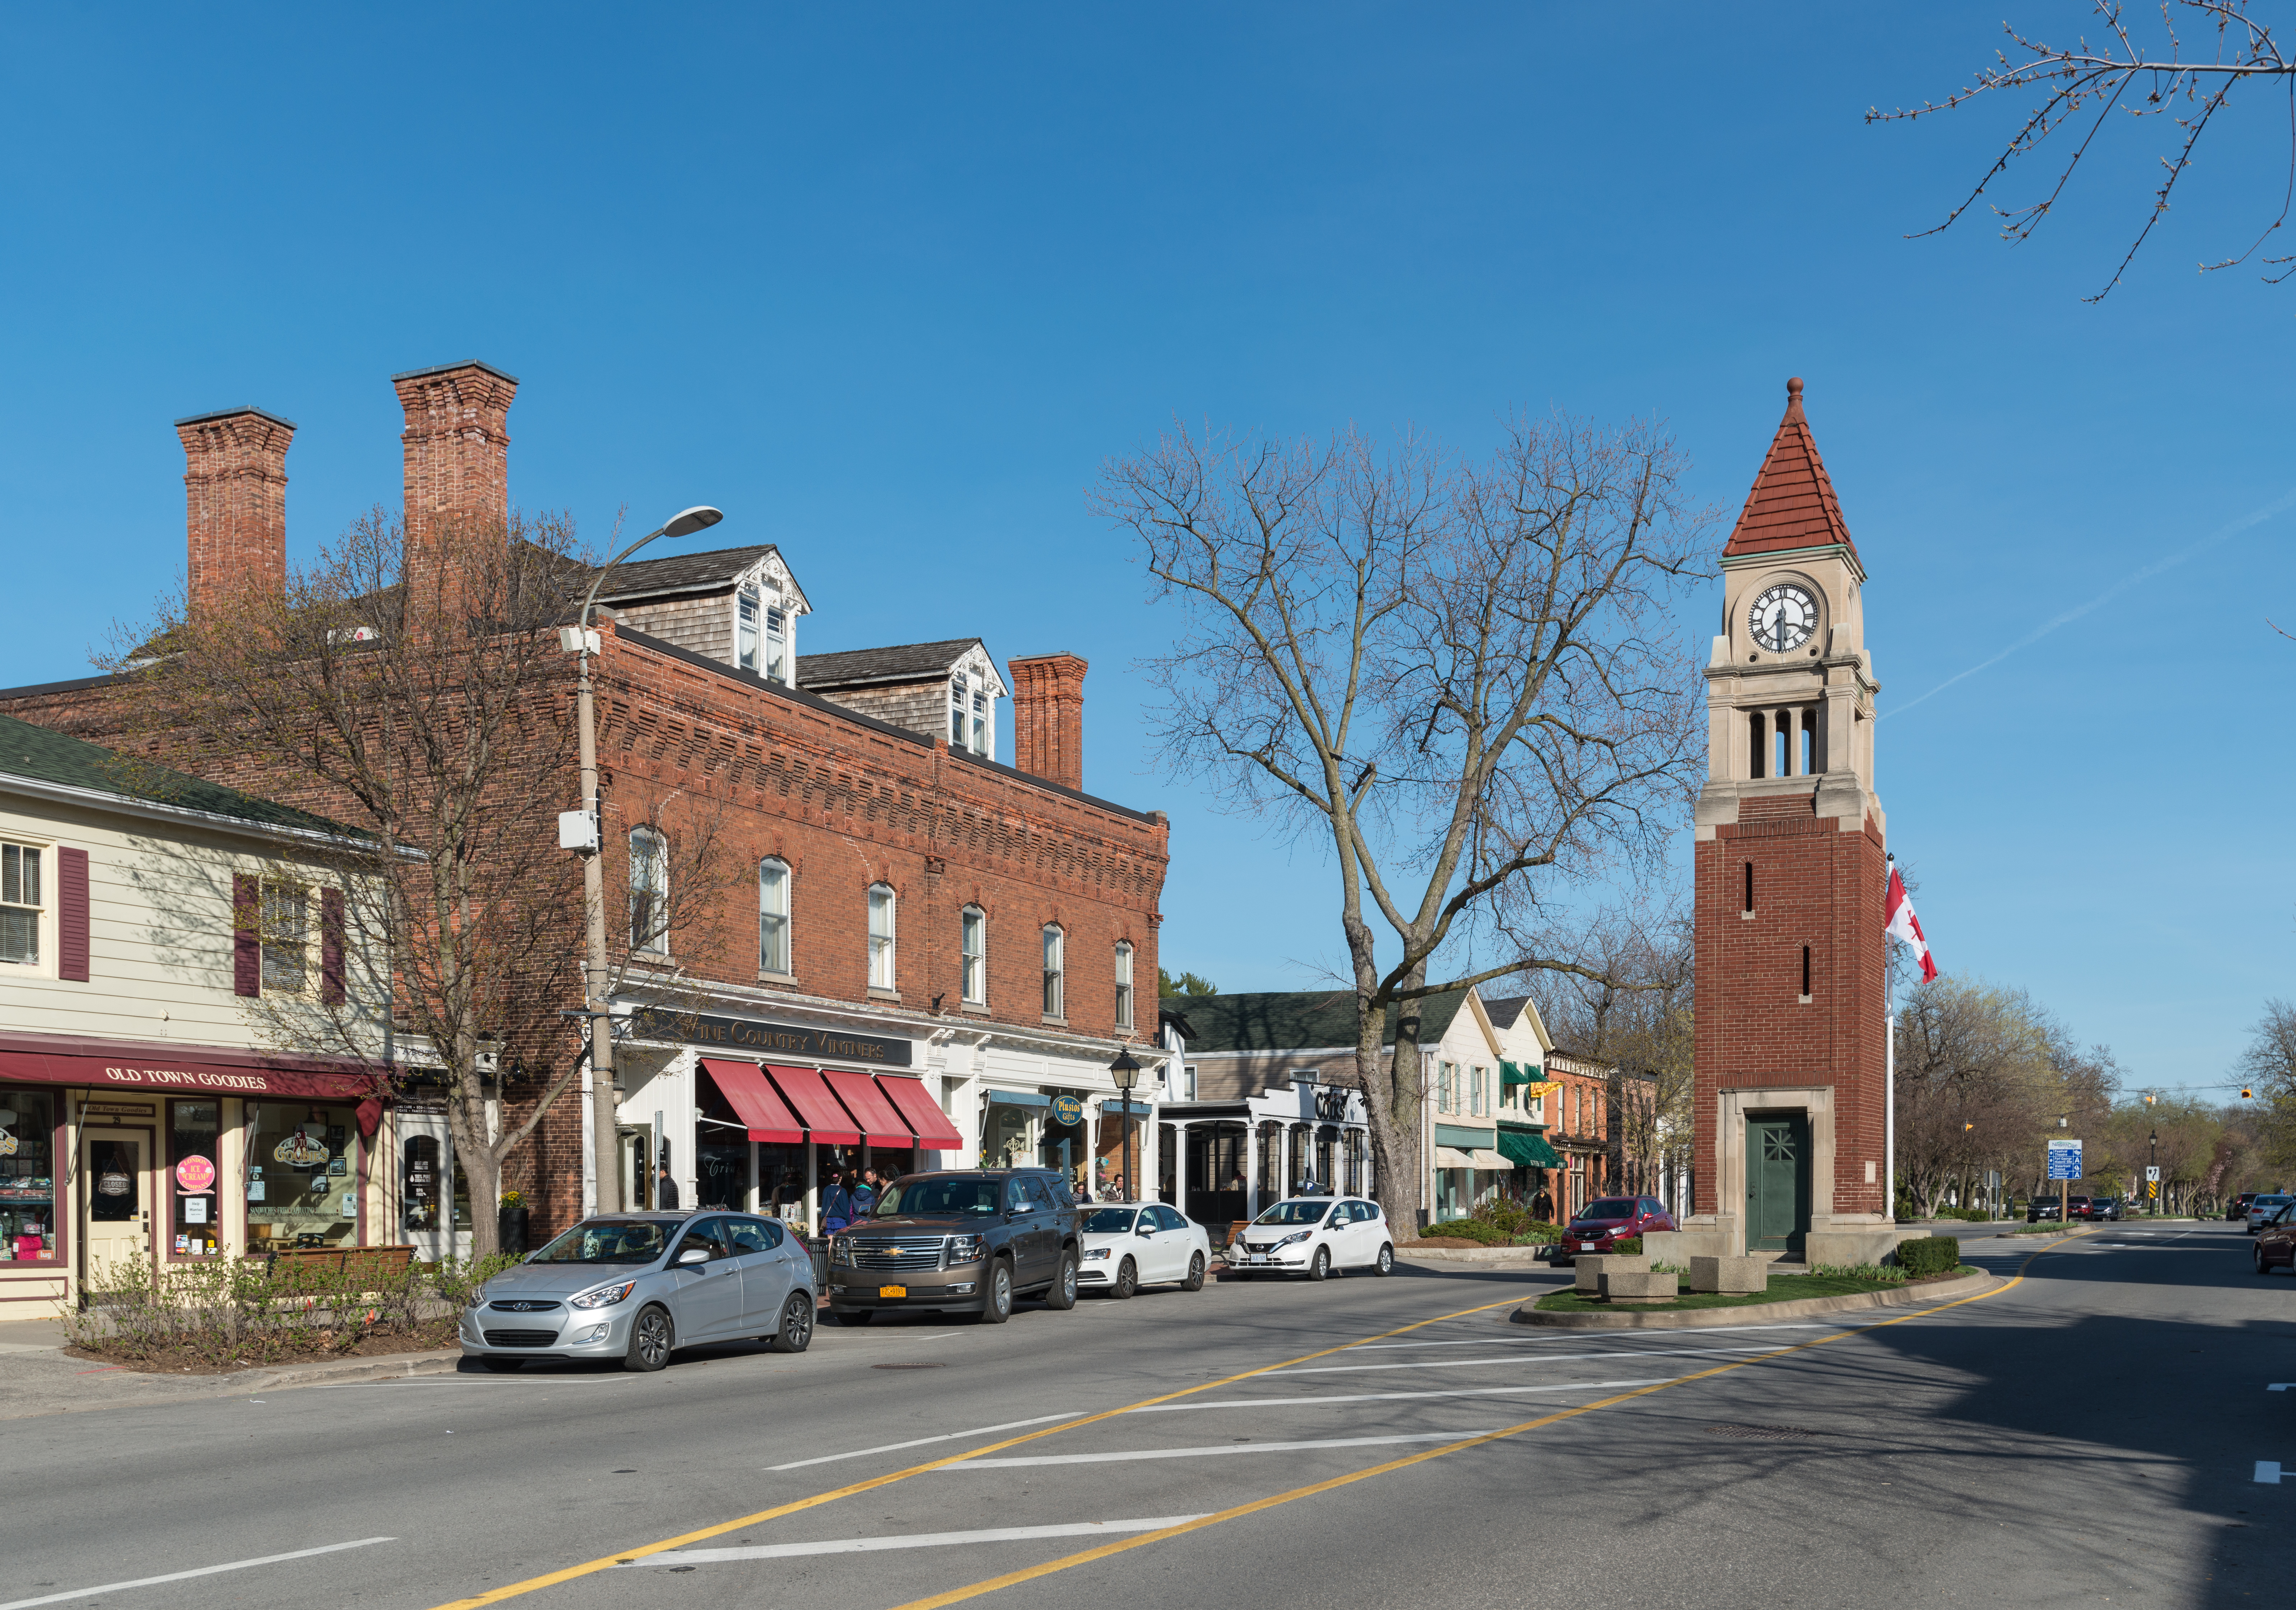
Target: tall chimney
1048	717
456	446
234	504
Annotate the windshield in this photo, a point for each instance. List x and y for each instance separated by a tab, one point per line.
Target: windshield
1295	1212
608	1241
1107	1222
1610	1207
940	1198
2265	1201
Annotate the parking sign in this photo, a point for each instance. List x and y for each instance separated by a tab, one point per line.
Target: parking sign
2064	1160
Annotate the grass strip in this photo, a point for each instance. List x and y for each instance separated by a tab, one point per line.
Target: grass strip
1783	1288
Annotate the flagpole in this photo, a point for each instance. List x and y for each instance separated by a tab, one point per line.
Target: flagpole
1890	1089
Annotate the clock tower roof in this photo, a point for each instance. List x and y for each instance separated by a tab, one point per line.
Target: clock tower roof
1793	505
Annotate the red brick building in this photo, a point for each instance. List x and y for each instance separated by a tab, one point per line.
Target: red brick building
928	957
1791	1103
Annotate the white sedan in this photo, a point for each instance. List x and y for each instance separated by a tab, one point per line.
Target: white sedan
1313	1235
1126	1247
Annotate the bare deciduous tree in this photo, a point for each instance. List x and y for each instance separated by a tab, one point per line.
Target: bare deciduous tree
2082	86
1464	679
2270	1065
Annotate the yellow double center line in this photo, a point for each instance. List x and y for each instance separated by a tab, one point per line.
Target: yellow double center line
1013	1578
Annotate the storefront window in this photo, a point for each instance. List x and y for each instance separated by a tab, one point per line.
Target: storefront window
1064	1145
781	1181
1007	1144
418	1182
194	1176
27	1188
302	1189
1271	1161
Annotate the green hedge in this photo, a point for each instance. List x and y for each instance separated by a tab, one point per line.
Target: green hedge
1628	1246
1468	1229
1923	1256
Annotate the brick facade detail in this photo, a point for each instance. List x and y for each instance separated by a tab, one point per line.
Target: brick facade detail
234	503
1048	717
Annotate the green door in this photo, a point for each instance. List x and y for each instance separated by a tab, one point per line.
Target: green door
1777	1185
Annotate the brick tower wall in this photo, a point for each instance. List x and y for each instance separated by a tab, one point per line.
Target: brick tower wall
235	504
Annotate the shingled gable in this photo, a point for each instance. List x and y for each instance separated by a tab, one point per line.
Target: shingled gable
1793	505
902	662
1296	1020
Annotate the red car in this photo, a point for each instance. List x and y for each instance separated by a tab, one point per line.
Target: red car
1604	1222
2275	1242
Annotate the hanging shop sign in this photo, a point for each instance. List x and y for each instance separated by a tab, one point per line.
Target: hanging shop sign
300	1149
785	1042
1067	1109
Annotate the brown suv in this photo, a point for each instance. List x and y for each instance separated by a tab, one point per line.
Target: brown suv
960	1241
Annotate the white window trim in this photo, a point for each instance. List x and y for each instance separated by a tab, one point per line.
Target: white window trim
1055	954
45	933
266	885
788	969
657	943
755	604
972	967
1124	987
884	946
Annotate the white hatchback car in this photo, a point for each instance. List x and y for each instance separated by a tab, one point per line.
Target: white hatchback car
2261	1211
1126	1247
1313	1235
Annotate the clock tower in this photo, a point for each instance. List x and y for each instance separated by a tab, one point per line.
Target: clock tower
1790	1081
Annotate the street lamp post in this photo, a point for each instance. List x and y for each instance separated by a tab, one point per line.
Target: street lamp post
1125	1073
2153	1180
605	1154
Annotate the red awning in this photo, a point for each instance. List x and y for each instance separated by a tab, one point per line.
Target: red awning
934	1131
182	1070
825	1121
880	1124
754	1101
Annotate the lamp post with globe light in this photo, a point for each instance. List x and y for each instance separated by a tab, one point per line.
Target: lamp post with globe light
1125	1074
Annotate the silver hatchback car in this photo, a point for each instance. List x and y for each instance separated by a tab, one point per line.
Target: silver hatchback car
634	1287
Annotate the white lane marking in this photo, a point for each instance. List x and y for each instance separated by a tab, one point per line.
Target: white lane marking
1663	1353
915	1540
177	1576
1198	1453
2280	1385
952	1436
1578	1336
1382	1397
2267	1471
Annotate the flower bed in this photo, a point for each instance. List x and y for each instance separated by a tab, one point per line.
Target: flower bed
1781	1288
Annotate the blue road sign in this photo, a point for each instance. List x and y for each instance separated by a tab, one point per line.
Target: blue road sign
2064	1160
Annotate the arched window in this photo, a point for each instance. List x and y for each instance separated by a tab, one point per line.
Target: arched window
1123	984
973	950
881	936
649	890
773	916
1054	992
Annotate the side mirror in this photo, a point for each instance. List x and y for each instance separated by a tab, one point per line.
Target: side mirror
694	1254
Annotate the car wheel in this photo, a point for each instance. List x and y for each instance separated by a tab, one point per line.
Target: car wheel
650	1342
796	1333
1063	1293
2262	1267
1127	1280
1195	1278
855	1316
1319	1266
503	1366
997	1307
1384	1264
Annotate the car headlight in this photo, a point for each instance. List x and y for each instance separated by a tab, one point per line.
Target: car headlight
1094	1254
605	1297
1288	1240
478	1297
966	1249
841	1252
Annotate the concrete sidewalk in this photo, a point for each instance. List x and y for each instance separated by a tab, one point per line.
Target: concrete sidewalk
38	1377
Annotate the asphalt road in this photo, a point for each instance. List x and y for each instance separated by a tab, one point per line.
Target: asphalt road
2091	1435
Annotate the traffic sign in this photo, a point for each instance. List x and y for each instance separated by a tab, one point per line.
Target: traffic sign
2064	1160
2152	1172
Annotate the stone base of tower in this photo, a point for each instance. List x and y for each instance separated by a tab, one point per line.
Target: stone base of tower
1852	1238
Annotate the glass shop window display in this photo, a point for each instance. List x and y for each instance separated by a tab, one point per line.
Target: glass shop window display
302	1183
27	1185
193	1175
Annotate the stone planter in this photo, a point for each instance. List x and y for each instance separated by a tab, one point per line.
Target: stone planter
1735	1276
1592	1268
1637	1288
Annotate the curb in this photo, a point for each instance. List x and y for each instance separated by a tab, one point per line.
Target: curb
1470	1255
1694	1318
395	1367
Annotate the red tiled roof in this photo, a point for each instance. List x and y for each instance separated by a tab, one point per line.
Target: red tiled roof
1793	505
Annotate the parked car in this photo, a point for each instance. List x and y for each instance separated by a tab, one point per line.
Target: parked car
635	1286
2048	1209
2098	1208
1125	1245
2239	1209
2275	1242
1313	1235
1604	1222
2265	1207
965	1241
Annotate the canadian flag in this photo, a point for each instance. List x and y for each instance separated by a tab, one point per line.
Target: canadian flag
1900	922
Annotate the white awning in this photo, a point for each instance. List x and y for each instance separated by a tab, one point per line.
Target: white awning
1447	1157
1485	1158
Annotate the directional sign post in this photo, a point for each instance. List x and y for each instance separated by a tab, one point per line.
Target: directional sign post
2065	1165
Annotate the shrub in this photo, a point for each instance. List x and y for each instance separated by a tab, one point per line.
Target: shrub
1628	1246
1468	1230
1929	1255
1857	1271
1502	1215
1537	1232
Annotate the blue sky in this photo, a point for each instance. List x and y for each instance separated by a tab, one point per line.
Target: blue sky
888	284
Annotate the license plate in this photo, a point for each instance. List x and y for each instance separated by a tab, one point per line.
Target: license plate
1587	1246
1259	1257
892	1291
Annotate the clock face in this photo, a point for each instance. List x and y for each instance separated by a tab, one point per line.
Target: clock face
1783	618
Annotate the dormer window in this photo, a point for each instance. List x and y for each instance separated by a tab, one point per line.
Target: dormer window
745	632
777	646
970	717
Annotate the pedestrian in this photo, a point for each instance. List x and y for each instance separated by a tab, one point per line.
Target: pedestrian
864	1193
836	1205
665	1191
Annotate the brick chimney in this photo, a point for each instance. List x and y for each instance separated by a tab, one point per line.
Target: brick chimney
234	504
456	446
1048	717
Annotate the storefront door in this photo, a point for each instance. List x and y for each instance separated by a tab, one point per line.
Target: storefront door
116	1225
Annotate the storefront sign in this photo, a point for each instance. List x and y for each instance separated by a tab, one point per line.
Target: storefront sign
26	1058
300	1149
196	1173
782	1041
196	1209
1067	1109
118	1109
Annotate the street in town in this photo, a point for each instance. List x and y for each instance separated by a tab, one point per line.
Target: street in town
2106	1425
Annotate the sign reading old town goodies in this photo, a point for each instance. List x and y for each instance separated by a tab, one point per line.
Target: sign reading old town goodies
784	1041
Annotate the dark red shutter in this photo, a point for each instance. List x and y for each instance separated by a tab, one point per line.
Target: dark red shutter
246	934
71	916
331	947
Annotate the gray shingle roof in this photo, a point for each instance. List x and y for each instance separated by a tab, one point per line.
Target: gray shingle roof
1505	1009
27	751
678	572
904	663
1296	1020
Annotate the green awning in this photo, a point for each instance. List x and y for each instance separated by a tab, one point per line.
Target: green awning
1528	1151
1518	1073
